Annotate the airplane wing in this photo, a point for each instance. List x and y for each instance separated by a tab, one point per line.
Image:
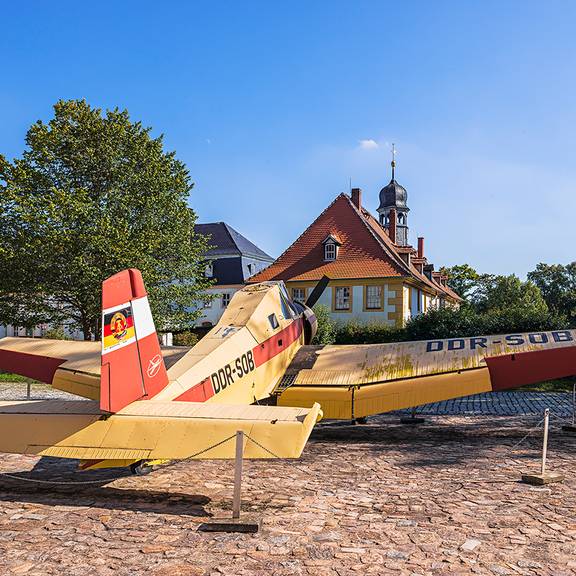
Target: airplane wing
149	430
68	365
357	381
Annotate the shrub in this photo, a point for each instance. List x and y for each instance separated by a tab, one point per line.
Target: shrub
373	333
451	323
326	333
185	339
56	334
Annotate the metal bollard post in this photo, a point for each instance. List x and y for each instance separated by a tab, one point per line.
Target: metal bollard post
238	474
544	477
412	419
574	404
545	442
28	386
571	428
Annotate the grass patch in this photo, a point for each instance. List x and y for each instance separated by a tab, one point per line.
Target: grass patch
7	377
561	385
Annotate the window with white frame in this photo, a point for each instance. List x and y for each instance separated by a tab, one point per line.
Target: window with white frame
373	297
299	294
225	299
329	251
342	298
209	270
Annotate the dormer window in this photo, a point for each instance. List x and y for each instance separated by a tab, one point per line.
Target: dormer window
209	270
329	251
331	244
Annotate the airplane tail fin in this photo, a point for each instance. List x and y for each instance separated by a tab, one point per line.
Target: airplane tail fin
132	363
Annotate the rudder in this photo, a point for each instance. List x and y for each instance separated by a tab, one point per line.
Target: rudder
132	364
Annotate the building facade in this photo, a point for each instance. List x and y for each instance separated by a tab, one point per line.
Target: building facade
231	260
375	274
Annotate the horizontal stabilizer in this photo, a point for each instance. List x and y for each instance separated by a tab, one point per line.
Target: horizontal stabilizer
153	430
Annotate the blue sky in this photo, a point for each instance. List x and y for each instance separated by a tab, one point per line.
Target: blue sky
268	103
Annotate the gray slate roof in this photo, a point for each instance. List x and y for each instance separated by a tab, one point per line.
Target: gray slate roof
224	240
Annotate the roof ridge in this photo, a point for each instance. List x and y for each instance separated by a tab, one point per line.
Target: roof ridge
302	234
410	268
378	239
250	249
227	227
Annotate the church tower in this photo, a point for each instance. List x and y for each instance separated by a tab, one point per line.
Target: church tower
393	197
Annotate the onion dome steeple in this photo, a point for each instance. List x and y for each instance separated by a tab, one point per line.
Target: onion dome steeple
394	196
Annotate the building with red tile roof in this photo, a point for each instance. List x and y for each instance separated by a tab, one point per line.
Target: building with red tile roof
375	275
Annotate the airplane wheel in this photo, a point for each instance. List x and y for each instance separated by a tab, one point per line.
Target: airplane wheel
140	468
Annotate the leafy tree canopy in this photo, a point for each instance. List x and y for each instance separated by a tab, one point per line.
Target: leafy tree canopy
462	279
558	286
492	292
501	293
93	194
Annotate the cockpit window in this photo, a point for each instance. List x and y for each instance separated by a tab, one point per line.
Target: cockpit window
289	311
286	310
273	321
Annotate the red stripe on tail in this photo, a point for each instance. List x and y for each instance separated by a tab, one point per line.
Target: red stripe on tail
132	364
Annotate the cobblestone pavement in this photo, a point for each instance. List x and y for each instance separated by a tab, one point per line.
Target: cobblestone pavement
442	498
503	404
494	403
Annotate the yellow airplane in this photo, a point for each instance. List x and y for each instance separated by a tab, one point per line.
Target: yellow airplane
254	371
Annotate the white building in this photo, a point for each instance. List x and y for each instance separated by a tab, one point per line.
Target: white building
232	260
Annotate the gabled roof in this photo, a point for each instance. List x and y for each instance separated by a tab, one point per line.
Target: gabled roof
359	256
333	238
225	241
366	251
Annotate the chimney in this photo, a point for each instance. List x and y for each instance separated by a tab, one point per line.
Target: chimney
357	197
392	219
420	247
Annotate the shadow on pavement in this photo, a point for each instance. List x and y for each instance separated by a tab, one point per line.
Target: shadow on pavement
438	443
90	489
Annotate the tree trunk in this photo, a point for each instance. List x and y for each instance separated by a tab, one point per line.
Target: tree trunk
86	328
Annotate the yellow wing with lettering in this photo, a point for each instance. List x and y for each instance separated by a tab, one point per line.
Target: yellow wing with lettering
357	381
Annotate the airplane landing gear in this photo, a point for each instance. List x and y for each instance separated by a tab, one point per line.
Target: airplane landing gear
140	468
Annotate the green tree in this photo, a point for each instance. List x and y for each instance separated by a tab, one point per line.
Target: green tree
558	286
93	194
502	293
462	279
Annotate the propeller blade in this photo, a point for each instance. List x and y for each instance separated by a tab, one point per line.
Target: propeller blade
317	292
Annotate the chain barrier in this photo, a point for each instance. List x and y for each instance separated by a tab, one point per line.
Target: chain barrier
512	449
248	437
537	425
268	451
570	421
104	480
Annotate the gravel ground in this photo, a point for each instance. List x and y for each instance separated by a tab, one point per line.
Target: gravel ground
442	498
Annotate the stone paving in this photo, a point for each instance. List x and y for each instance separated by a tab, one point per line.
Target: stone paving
442	498
503	404
494	403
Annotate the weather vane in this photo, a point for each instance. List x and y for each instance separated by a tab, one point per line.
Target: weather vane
393	163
